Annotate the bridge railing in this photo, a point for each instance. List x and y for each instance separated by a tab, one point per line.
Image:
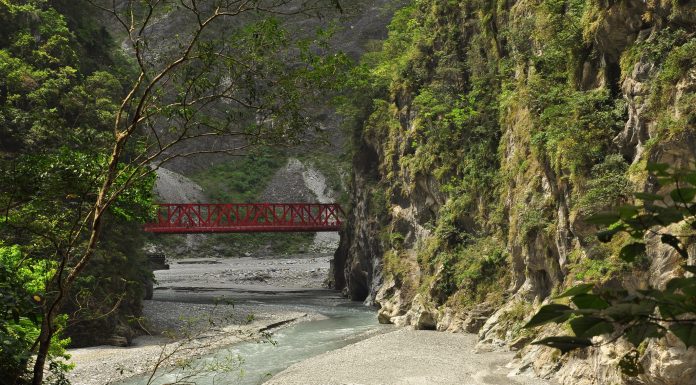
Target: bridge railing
246	217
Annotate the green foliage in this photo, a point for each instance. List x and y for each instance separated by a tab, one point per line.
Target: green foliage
53	190
46	100
670	50
576	126
242	72
449	227
608	186
636	315
378	203
451	85
477	271
599	263
396	266
22	292
678	61
534	216
600	269
242	181
572	127
56	113
111	289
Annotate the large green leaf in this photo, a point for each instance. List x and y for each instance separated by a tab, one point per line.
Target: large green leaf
671	304
648	197
658	168
603	219
628	211
665	180
686	332
550	313
583	288
641	331
564	343
690	177
589	326
683	195
673	241
666	215
642	222
589	301
681	283
625	312
629	252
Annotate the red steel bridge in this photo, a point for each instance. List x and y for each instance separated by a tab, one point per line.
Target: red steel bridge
196	218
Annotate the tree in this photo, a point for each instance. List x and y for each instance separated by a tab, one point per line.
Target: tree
636	315
242	84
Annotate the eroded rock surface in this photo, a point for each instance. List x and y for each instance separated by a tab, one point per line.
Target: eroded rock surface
393	253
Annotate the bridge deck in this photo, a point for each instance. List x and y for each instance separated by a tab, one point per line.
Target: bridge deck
196	218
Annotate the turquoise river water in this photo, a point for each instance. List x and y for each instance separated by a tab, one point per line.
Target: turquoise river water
252	363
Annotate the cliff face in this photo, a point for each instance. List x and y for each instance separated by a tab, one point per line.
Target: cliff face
494	129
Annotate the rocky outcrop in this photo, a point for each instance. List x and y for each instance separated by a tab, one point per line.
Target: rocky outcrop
172	187
417	244
300	181
355	269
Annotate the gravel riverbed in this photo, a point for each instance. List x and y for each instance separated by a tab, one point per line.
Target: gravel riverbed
407	357
201	305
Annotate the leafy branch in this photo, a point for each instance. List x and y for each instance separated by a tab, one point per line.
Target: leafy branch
215	87
635	315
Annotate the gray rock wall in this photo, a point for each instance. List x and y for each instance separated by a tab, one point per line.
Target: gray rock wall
541	261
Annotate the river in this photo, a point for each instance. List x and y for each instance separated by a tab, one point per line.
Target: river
322	338
252	363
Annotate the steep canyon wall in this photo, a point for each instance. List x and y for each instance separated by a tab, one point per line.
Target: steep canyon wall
484	133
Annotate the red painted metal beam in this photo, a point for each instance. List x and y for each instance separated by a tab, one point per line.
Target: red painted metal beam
196	218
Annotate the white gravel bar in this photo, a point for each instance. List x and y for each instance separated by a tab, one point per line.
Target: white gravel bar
406	357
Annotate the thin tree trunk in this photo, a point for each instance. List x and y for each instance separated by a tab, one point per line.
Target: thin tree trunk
100	207
44	345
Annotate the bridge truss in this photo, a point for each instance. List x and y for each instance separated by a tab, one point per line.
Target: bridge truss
196	218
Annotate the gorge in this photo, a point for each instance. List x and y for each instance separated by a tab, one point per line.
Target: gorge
469	142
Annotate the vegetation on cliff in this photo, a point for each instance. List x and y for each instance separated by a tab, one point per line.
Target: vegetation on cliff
497	128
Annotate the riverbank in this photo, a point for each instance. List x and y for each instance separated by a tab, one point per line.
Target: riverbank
407	357
203	305
187	331
208	308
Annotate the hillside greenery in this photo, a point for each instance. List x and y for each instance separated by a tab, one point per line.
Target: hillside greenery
515	111
243	181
